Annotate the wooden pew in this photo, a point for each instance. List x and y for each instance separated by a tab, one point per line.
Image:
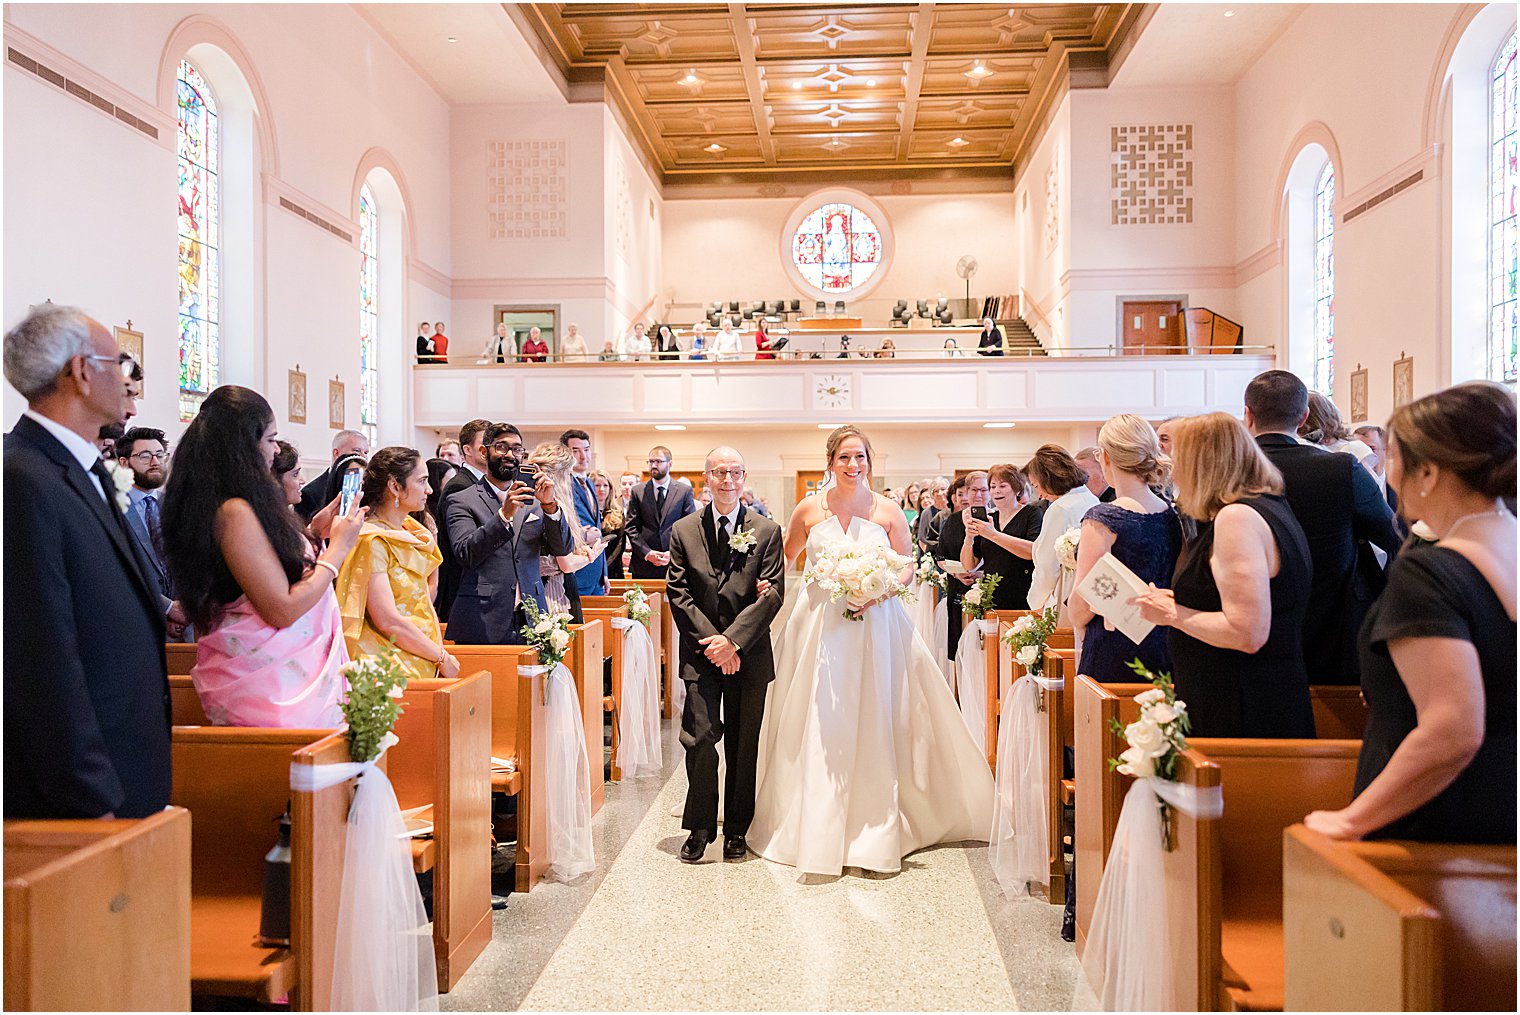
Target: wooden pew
1427	926
236	782
442	761
604	609
1224	884
584	661
1099	792
662	631
519	730
97	914
184	703
180	656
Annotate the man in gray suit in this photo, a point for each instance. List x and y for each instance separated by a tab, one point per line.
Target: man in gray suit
145	451
499	528
718	558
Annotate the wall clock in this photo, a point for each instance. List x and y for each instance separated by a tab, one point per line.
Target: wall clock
831	391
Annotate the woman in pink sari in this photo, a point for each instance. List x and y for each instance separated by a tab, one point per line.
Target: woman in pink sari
273	651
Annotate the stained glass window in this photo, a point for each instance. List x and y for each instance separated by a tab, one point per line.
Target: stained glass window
837	247
197	141
369	283
1324	282
1503	181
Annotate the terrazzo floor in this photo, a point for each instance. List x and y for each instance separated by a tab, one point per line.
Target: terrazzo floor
645	932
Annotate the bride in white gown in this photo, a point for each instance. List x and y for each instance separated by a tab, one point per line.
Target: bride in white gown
864	757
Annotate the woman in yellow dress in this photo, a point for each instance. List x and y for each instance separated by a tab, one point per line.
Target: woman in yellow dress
386	585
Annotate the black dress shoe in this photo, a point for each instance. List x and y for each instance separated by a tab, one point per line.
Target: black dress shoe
498	902
734	847
695	846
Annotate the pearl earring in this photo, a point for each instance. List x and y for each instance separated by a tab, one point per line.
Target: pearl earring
398	502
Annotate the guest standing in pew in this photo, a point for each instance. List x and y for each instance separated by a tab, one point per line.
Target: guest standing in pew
314	495
1059	480
948	531
1087	458
86	690
1004	542
1438	649
471	469
611	524
272	647
439	472
559	571
1236	606
1140	529
654	506
385	586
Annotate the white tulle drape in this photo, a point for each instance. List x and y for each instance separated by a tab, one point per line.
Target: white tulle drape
639	753
939	642
971	676
1126	965
383	951
568	780
1021	820
677	685
922	610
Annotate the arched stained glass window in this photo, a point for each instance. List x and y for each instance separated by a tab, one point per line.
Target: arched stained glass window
837	247
197	142
1324	282
1503	181
369	320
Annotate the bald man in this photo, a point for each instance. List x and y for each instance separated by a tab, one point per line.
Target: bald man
718	556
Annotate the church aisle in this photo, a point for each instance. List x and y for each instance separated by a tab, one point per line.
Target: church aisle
647	932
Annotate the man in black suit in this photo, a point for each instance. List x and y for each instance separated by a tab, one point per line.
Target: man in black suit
1088	459
472	467
1337	502
86	687
500	527
655	506
717	559
346	442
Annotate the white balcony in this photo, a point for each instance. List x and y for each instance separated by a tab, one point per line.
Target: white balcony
973	389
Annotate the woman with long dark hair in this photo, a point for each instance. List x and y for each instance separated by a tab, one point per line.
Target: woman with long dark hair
273	642
386	586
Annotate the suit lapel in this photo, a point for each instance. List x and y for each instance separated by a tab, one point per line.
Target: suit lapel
670	501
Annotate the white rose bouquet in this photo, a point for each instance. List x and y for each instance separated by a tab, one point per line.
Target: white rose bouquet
859	575
1028	636
929	572
637	601
1066	547
977	602
1155	739
370	705
547	632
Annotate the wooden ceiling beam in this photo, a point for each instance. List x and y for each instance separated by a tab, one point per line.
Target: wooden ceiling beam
923	28
744	41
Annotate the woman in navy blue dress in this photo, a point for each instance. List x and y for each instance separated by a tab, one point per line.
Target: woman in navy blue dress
1142	530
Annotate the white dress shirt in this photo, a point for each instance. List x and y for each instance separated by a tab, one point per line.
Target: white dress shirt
84	452
1064	512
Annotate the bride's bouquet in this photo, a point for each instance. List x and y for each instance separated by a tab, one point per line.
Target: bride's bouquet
859	575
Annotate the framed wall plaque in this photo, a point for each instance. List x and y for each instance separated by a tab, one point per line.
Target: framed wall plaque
131	342
1403	380
1359	395
296	395
336	418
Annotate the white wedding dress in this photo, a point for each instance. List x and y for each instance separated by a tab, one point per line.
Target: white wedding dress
864	757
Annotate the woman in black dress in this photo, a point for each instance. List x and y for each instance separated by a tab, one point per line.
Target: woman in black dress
1013	524
1236	605
1438	649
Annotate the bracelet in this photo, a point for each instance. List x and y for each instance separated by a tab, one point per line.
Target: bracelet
330	566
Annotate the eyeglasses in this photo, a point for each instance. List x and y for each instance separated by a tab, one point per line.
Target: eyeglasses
503	448
658	461
150	456
726	473
124	361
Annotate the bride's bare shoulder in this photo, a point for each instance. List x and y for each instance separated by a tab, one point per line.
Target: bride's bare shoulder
809	511
887	512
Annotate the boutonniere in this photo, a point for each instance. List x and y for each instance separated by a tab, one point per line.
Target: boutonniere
743	541
123	480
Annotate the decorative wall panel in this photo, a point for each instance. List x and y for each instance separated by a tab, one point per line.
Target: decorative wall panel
527	189
1151	175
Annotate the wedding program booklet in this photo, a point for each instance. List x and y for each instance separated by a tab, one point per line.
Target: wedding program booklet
1108	588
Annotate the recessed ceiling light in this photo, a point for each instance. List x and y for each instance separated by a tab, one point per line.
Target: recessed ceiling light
452	39
959	142
691	78
670	426
1229	14
981	70
828	426
715	148
796	85
998	426
870	82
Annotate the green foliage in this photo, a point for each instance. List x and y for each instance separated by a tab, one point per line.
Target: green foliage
372	704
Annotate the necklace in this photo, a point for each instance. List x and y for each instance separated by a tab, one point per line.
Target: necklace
1500	511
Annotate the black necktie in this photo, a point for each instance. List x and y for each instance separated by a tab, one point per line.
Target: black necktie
723	541
659	503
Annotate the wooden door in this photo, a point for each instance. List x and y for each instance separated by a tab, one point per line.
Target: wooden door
1153	328
807	484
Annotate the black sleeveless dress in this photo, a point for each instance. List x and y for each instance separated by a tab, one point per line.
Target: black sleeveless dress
1239	694
1434	592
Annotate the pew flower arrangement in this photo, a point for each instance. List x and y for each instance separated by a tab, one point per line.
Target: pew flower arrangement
929	572
859	575
977	602
1155	739
372	706
637	601
1028	636
547	632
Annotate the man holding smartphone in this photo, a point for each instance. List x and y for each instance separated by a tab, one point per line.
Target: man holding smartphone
498	529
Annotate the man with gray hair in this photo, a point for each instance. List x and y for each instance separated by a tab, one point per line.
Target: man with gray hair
345	442
87	700
1087	459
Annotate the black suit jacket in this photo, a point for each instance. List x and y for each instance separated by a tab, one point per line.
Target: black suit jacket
1338	504
448	571
709	597
647	532
311	496
86	687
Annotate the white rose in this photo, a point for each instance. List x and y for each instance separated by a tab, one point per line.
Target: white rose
974	597
1160	713
1146	736
1137	763
1027	656
1023	624
875	585
1150	697
397	691
559	641
543	626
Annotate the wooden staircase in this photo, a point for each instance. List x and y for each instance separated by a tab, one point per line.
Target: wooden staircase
1020	338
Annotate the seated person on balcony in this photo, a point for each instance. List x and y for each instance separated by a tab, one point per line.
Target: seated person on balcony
990	341
951	349
608	353
534	348
888	349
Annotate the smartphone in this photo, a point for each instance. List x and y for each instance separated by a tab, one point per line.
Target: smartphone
527	473
351	483
979	513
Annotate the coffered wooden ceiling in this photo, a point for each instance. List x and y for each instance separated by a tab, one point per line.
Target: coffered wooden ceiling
784	92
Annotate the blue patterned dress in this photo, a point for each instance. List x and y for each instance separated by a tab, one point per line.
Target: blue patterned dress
1147	544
